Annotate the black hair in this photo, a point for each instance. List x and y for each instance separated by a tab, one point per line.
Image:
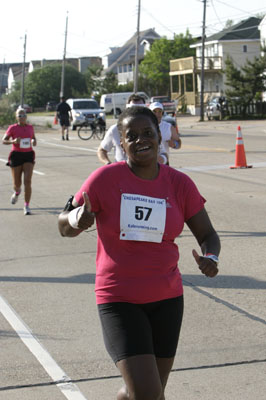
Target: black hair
135	97
135	112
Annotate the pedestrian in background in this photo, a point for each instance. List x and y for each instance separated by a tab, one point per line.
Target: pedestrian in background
140	207
63	113
112	138
170	135
22	157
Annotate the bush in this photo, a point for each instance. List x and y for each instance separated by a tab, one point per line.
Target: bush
7	115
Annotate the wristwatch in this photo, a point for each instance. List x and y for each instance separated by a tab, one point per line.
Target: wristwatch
212	257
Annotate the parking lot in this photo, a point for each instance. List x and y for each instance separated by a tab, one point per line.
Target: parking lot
51	342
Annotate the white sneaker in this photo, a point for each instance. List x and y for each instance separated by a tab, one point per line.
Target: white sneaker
14	198
27	210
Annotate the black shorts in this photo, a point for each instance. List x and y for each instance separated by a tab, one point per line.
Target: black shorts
17	158
64	120
132	329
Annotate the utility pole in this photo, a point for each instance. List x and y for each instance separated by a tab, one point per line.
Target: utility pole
202	63
23	73
137	54
63	63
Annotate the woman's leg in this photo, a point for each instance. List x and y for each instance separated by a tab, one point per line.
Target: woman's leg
141	377
28	170
16	176
164	366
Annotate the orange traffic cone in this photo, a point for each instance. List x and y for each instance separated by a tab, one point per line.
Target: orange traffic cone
240	160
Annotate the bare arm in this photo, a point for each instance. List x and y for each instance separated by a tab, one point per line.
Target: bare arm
8	140
201	227
103	156
84	220
34	140
175	141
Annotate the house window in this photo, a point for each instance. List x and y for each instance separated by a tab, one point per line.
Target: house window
130	68
175	83
245	48
125	67
120	68
189	83
216	49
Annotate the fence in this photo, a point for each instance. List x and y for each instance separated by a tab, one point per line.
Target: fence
254	108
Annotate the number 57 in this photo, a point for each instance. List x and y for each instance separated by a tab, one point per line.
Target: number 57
140	211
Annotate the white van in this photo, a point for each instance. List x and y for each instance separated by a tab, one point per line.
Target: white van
117	101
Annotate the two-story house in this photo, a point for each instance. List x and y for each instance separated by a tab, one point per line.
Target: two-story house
240	42
262	28
121	60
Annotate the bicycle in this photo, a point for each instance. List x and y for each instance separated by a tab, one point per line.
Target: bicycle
90	128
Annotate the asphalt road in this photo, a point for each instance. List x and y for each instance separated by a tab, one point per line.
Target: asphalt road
51	343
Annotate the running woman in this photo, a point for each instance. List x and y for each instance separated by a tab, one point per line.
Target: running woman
22	157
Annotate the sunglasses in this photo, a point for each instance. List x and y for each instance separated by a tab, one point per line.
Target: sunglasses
21	115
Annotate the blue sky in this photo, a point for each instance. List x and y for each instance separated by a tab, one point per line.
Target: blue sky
94	27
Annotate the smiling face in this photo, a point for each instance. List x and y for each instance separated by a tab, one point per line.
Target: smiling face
21	117
140	140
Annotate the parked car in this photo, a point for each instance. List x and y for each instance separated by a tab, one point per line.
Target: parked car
168	104
84	110
216	108
26	107
51	105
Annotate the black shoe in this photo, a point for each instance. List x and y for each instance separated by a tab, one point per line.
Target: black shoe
63	138
67	138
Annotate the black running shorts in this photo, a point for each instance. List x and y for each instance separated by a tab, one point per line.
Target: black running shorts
132	329
17	158
64	120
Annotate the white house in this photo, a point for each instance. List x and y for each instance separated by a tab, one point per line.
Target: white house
121	60
262	28
240	42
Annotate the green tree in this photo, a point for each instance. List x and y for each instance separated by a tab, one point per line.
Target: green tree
154	69
93	79
15	96
110	83
229	23
43	84
247	83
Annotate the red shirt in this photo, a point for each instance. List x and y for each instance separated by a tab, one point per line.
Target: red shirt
138	271
25	132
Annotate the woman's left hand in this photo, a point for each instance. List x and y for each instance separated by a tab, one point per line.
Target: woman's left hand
206	265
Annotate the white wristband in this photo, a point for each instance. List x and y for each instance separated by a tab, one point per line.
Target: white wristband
73	218
164	158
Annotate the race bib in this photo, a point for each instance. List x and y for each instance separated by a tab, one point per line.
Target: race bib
25	143
142	218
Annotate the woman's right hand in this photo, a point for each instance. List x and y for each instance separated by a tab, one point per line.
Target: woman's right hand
17	140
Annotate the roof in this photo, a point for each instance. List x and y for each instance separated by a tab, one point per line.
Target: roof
120	54
244	30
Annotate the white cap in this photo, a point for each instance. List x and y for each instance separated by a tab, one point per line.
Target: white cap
155	105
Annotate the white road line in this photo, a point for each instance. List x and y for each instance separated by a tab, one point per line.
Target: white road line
67	147
34	171
213	167
68	389
38	172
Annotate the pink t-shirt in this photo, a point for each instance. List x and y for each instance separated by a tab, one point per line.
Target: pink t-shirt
138	271
25	132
